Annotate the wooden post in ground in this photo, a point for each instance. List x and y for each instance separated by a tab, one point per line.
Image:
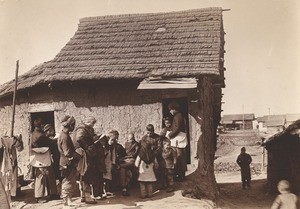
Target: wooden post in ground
14	100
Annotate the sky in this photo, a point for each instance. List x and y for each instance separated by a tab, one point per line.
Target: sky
262	46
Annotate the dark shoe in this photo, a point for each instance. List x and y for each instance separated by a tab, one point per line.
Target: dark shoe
170	189
125	193
40	200
82	199
90	202
54	197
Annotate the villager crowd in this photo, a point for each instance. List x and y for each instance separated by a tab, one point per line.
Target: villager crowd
100	164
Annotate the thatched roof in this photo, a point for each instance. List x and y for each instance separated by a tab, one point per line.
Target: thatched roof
136	46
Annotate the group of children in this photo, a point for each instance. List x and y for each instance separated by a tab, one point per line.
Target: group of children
147	161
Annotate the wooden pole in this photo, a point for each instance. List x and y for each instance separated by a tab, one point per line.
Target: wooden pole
14	100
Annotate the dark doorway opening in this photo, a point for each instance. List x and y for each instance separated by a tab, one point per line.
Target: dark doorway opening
47	118
183	102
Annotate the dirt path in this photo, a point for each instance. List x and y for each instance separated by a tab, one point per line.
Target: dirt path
234	197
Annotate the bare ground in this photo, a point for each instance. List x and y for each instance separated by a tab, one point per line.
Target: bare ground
232	196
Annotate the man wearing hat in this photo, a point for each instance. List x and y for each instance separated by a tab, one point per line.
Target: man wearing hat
84	138
68	160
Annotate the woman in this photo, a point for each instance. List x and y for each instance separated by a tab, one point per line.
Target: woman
178	126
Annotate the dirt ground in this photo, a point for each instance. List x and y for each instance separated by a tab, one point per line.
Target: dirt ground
232	196
160	199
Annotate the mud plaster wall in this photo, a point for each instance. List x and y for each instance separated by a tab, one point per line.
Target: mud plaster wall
121	116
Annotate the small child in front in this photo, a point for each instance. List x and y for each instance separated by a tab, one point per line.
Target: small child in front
169	155
286	199
145	162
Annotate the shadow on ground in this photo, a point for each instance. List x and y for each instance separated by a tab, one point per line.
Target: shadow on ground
233	196
27	201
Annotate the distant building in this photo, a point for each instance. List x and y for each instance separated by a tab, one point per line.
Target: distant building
284	157
291	118
238	121
276	123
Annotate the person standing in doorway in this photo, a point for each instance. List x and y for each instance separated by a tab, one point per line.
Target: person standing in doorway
244	160
178	125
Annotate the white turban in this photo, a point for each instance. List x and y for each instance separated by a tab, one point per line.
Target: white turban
89	120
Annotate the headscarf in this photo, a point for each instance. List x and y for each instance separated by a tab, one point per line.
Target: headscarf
89	120
67	121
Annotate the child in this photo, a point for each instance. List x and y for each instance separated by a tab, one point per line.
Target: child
131	146
145	162
107	177
169	155
119	172
286	200
168	124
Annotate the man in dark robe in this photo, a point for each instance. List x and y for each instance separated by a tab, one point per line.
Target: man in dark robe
244	160
68	160
84	138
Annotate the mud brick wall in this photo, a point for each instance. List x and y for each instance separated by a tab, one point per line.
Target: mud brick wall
124	109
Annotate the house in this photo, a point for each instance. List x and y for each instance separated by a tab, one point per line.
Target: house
291	118
124	70
238	121
272	123
284	157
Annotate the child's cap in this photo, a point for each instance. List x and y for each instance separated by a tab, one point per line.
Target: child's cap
283	186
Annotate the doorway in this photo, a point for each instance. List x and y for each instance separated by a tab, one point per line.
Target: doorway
183	103
47	118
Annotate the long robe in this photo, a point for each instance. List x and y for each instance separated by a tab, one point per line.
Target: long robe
44	182
4	200
9	165
244	161
178	125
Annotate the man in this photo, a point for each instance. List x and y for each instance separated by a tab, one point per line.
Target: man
68	160
44	182
244	161
100	168
50	132
84	139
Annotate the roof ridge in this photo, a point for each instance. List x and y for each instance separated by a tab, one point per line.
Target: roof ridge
94	18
